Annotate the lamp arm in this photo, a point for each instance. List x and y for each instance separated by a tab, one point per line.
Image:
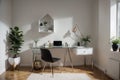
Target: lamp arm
77	35
79	30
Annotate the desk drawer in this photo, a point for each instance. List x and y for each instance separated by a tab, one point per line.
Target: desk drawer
84	51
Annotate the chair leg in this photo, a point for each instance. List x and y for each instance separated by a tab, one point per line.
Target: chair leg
51	65
60	66
44	67
52	70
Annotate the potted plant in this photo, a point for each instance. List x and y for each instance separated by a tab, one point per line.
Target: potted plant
16	40
85	40
115	43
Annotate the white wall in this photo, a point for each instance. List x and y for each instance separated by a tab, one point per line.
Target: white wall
103	52
5	22
92	17
103	33
65	13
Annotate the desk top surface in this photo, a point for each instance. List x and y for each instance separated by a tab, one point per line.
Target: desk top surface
81	47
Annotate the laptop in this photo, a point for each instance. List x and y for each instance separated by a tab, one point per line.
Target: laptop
57	43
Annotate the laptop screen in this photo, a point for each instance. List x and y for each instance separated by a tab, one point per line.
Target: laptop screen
57	43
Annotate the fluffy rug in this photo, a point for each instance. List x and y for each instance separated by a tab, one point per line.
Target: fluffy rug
59	76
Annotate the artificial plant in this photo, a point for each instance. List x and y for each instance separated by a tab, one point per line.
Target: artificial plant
16	40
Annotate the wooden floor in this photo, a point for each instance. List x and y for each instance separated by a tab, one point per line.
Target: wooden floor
24	73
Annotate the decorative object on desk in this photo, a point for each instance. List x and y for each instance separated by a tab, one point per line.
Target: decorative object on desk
66	44
16	40
46	24
115	43
49	44
85	40
36	41
78	43
81	39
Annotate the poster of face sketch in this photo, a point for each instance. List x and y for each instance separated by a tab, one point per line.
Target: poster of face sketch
46	24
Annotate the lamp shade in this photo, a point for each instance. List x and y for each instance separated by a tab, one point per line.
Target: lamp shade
67	34
74	29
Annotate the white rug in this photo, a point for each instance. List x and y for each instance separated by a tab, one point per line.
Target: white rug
59	76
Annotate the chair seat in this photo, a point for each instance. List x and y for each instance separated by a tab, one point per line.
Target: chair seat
55	59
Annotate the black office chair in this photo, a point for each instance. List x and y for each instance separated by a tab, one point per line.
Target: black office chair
47	57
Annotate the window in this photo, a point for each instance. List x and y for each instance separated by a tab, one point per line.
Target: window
118	18
115	23
115	19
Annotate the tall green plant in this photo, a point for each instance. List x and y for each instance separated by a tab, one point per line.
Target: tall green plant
16	40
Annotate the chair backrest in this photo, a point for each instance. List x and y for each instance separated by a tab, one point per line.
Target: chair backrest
46	55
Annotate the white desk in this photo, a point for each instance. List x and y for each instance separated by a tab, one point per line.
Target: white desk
78	50
85	51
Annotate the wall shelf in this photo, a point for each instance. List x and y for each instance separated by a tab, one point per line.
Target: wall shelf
46	24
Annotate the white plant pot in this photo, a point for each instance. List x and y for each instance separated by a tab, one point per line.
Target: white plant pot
14	61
